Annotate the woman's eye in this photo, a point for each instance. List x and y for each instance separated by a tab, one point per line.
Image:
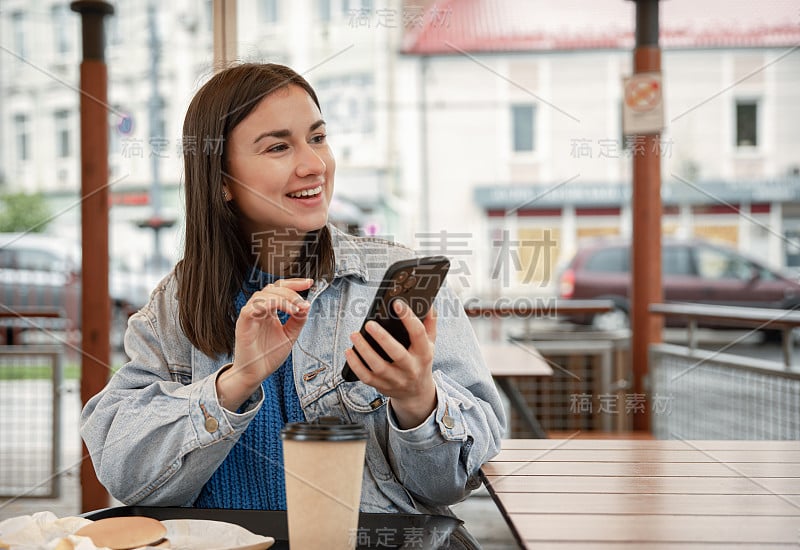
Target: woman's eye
276	148
319	138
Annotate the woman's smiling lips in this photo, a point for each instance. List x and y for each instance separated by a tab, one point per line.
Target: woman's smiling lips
306	193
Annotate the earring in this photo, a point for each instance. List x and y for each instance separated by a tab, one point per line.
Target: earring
225	195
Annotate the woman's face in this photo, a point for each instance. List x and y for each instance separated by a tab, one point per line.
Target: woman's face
280	168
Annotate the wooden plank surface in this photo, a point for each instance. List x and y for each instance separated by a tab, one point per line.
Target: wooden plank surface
591	545
647	455
653	504
638	485
648	528
598	494
648	469
507	359
668	444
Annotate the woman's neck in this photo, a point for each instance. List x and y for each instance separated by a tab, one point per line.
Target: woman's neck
276	254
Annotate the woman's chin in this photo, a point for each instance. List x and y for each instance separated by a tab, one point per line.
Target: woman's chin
307	226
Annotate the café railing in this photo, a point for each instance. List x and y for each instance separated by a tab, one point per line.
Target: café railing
31	386
784	320
704	394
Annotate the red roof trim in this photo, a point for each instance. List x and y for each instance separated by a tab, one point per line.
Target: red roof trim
483	26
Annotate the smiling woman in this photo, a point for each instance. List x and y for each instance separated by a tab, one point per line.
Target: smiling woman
253	328
280	169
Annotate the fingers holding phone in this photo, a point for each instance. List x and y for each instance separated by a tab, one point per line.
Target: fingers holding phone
414	283
407	377
391	366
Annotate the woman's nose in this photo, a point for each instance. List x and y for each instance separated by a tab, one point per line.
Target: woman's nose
310	163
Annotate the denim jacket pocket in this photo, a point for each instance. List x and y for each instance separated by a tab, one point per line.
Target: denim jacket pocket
180	373
361	399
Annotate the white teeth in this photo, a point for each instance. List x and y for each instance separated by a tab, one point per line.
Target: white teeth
307	192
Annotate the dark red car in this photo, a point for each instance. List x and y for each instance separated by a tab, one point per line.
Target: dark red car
693	271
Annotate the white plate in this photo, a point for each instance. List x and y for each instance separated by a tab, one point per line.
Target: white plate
200	534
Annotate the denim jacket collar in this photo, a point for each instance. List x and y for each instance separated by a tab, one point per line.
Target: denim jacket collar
349	257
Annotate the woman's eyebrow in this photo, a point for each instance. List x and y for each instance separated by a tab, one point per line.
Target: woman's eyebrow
284	133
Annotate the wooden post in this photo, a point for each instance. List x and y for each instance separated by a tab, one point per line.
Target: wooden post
95	301
224	16
646	250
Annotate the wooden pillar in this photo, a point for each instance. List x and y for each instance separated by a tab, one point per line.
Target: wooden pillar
646	328
95	301
224	19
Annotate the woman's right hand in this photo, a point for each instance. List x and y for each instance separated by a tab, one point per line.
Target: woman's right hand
262	342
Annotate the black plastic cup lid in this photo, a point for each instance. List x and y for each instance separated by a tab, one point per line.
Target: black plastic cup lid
326	428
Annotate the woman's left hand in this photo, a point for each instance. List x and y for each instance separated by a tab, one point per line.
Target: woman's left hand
408	378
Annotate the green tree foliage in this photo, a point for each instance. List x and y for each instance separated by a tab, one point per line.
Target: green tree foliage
23	212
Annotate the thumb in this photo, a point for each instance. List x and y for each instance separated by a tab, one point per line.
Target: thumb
294	325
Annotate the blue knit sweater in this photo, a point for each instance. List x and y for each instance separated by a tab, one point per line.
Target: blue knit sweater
251	476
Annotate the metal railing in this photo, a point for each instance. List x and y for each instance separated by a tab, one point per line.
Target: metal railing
716	395
711	395
30	420
783	320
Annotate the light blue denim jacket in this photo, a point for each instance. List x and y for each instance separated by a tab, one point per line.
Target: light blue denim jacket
157	432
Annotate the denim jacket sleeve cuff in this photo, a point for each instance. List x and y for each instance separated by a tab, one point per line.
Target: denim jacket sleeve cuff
445	423
211	420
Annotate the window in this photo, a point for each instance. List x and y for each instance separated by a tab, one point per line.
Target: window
21	131
18	30
36	260
609	260
268	11
718	264
348	103
324	10
113	34
350	7
746	123
522	118
209	8
63	138
676	260
61	27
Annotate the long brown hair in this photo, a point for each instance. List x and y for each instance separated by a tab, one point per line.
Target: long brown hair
217	256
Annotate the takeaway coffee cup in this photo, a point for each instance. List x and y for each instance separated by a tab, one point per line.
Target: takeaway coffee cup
324	463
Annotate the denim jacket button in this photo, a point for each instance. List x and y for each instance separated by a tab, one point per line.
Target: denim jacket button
448	422
211	424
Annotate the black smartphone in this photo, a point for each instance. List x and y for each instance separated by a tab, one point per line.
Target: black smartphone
416	282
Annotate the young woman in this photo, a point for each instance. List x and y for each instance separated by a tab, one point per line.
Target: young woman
252	329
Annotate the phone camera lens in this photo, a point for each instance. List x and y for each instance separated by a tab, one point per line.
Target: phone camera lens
410	282
402	276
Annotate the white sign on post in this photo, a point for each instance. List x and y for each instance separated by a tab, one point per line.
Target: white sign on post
643	105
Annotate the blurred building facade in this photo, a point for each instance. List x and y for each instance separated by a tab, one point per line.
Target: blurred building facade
488	131
40	119
522	102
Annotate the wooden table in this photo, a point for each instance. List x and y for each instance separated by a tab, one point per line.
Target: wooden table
507	361
593	494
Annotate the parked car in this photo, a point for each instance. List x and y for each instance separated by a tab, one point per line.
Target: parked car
40	272
693	271
43	271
